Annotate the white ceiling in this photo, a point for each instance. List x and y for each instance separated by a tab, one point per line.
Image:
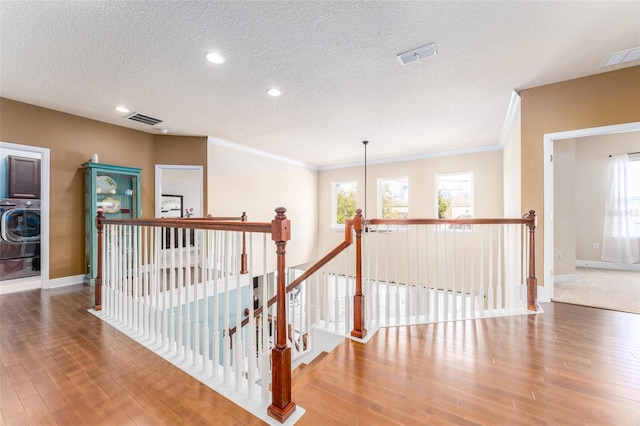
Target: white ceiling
335	63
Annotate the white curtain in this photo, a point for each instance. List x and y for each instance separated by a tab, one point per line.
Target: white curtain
620	244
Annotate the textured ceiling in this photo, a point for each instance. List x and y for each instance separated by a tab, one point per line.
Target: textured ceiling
335	63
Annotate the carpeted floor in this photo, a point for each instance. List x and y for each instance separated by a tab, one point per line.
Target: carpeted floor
602	288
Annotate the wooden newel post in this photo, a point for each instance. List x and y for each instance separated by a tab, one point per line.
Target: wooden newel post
98	288
243	256
281	405
532	281
359	330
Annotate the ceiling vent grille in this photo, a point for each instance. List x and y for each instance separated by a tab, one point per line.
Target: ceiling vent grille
141	118
628	55
418	54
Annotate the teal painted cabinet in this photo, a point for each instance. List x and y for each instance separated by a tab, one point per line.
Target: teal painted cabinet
114	189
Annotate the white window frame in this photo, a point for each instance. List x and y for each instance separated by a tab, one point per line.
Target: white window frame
471	196
334	202
633	177
398	180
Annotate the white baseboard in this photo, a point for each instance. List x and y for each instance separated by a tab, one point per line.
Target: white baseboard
608	265
20	284
568	278
66	281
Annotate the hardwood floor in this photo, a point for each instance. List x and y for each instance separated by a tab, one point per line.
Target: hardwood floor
569	365
61	365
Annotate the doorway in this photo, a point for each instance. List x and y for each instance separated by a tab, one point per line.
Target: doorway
43	154
548	147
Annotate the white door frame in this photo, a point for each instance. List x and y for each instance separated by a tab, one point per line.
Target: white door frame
548	140
160	168
45	170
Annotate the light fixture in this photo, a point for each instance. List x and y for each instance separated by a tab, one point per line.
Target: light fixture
121	109
215	58
274	92
163	130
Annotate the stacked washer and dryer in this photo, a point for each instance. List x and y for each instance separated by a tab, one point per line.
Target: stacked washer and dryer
20	230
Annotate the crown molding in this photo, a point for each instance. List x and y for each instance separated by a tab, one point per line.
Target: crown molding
231	145
415	157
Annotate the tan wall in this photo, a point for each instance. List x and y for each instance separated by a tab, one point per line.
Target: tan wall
488	194
72	140
599	100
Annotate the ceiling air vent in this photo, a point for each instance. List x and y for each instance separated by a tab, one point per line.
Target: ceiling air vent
141	118
418	54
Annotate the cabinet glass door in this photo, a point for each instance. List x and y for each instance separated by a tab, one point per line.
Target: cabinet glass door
116	195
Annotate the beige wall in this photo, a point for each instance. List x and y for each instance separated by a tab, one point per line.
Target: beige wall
488	195
72	140
591	175
564	207
511	170
241	181
599	100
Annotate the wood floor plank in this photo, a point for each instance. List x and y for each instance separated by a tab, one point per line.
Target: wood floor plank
569	365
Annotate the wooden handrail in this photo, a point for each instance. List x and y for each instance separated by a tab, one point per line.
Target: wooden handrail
198	223
348	237
463	221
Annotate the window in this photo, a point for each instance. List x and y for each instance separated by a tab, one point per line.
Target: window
633	183
393	198
344	202
455	195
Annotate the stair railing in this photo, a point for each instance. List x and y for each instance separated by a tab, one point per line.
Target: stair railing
176	285
431	270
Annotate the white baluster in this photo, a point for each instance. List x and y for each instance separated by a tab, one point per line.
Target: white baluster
251	326
463	289
472	289
387	304
238	346
216	324
499	305
454	280
197	274
204	273
436	284
407	284
226	338
481	306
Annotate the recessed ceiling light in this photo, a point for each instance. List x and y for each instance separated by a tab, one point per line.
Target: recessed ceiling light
163	130
274	92
215	58
122	109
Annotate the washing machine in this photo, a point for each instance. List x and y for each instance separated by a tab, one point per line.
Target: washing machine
19	238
